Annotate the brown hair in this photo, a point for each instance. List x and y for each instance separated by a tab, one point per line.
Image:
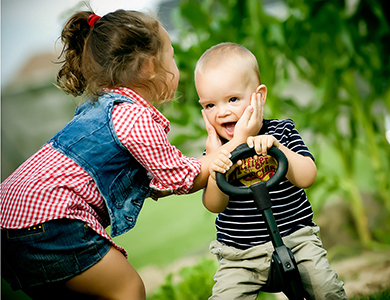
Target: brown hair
112	54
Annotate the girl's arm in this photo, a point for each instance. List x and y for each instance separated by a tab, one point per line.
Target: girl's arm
249	124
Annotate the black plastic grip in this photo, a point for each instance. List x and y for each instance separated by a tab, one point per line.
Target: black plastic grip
243	151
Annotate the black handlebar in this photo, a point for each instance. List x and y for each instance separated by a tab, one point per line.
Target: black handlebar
243	151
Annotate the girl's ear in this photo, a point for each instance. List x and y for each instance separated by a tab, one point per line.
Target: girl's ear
262	90
150	67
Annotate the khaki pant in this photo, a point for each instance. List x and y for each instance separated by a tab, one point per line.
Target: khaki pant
242	273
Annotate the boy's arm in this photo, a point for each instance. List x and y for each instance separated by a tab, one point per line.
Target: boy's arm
302	170
213	198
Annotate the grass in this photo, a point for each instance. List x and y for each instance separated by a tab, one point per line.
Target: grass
166	230
382	295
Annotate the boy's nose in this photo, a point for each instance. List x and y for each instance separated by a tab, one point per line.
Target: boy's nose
223	111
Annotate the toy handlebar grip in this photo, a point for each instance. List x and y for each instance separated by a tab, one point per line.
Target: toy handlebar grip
243	151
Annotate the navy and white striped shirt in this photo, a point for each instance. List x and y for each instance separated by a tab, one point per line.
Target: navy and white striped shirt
241	226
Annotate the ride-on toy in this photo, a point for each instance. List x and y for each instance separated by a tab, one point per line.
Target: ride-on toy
284	274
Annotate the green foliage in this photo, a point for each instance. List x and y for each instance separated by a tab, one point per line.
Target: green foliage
194	283
382	295
326	65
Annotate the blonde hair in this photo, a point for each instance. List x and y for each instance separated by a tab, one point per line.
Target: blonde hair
112	54
222	52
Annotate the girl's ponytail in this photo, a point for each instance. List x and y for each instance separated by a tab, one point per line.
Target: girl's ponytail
112	52
70	77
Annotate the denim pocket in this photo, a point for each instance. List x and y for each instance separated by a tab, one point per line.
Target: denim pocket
35	230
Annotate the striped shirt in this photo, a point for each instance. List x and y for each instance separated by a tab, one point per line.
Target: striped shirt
51	186
241	226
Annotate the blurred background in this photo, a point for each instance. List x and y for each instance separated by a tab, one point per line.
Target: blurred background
326	65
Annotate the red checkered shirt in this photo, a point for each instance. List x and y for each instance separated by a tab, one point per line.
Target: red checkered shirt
51	186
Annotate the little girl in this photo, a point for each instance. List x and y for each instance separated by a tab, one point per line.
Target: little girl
98	170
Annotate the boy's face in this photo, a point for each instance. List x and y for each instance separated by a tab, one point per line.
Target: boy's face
224	93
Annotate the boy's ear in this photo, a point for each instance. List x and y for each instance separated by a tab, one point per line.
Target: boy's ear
262	90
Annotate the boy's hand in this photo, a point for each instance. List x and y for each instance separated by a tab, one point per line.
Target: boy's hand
262	143
251	121
213	141
221	163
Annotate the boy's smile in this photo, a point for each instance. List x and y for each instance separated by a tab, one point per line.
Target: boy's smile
229	127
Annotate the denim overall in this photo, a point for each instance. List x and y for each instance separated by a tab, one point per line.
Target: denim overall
90	140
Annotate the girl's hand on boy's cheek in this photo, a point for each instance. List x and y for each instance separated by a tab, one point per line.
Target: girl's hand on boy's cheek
213	140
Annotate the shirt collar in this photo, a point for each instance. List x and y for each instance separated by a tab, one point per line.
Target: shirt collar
156	114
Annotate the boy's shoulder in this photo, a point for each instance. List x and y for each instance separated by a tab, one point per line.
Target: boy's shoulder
275	125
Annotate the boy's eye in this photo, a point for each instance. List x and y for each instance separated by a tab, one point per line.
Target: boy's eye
233	99
209	105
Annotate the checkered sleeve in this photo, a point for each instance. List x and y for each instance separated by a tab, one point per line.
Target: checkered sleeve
147	141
